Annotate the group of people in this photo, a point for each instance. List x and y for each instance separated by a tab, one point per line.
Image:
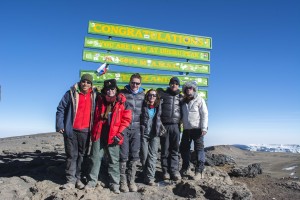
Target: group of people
127	126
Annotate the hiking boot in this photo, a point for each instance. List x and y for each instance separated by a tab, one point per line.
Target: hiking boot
79	185
68	185
132	168
123	178
89	186
166	176
151	183
199	175
176	176
185	172
132	187
115	188
124	187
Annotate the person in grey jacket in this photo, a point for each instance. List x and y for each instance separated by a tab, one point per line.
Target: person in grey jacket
74	119
150	129
195	122
130	148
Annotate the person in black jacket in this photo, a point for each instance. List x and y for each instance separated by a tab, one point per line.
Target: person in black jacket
132	135
170	117
150	128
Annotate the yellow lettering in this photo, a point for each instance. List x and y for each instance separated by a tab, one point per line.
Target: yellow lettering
105	29
130	32
115	29
168	38
139	34
122	30
97	28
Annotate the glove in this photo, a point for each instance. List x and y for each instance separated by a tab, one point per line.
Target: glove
117	139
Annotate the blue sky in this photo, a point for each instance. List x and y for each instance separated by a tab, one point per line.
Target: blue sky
254	83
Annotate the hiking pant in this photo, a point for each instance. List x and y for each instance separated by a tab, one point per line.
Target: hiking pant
187	137
149	153
170	148
130	148
113	153
75	148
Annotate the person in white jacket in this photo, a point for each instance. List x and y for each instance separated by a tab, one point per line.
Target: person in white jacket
195	122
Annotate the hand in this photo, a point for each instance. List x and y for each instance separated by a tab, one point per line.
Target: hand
203	133
61	131
117	139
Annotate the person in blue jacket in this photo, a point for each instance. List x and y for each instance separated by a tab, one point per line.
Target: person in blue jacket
74	120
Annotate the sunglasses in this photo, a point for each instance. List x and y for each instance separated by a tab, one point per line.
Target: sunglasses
110	89
152	95
135	83
174	83
87	82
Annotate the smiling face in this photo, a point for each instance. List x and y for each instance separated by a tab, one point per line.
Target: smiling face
152	97
111	92
85	85
174	86
135	84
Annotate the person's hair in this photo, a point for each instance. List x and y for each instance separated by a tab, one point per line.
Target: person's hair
157	100
136	75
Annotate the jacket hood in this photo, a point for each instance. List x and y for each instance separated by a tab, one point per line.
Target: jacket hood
192	84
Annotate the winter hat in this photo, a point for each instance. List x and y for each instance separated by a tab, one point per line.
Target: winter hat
174	79
87	77
110	84
189	84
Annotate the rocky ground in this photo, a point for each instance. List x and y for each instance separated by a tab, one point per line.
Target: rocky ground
32	167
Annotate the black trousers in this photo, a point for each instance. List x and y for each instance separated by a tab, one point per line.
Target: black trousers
75	148
170	148
185	145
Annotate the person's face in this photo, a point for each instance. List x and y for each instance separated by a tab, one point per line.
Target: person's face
135	84
85	85
152	97
111	92
189	91
174	86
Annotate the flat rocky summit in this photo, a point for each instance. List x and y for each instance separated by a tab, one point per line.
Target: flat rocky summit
32	167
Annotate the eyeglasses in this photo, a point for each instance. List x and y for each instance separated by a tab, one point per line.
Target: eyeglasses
174	83
110	89
87	82
189	88
152	95
135	83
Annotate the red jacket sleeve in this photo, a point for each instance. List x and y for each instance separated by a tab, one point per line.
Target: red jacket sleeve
125	120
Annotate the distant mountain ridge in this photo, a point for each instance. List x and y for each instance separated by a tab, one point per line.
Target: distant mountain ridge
288	148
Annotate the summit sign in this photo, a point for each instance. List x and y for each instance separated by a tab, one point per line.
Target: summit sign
149	35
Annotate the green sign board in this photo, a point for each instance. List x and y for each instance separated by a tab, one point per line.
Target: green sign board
145	49
146	78
147	63
202	93
149	35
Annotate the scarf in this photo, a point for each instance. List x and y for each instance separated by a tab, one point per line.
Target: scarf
110	101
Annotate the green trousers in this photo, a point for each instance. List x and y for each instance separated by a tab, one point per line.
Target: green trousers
113	154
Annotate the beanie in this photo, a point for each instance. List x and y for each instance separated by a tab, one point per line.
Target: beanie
87	77
174	79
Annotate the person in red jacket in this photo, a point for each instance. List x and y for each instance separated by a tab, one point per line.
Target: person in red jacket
110	120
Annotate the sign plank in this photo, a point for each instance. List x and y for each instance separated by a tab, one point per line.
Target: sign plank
149	35
146	63
145	49
146	78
